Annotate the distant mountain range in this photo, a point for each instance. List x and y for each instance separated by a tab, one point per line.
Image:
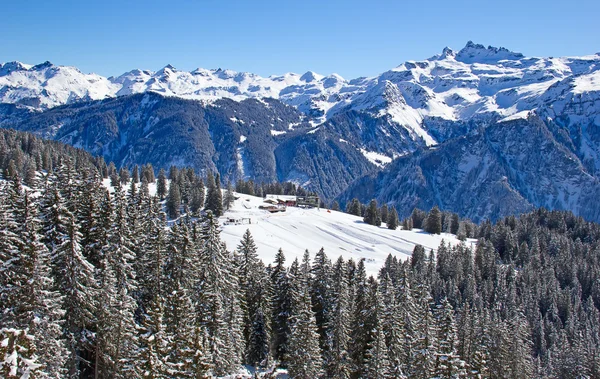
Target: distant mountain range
482	131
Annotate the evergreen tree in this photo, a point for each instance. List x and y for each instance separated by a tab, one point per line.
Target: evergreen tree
305	359
372	216
214	201
337	361
354	207
161	184
433	223
281	308
173	204
229	197
392	219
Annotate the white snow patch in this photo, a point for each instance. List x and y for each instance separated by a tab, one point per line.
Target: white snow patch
277	132
523	115
243	139
377	159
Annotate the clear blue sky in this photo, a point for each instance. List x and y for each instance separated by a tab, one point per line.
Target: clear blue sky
351	38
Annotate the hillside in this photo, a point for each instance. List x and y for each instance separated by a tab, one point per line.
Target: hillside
298	229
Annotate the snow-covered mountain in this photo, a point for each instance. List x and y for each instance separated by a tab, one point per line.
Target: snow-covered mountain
475	82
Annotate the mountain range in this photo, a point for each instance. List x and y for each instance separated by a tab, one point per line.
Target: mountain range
483	131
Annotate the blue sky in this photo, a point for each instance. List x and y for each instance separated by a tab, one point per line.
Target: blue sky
351	38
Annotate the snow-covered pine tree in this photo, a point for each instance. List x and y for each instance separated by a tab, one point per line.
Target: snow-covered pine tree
255	304
39	303
377	364
372	216
321	295
362	321
180	311
448	364
304	355
337	361
117	334
218	298
173	204
153	342
424	337
391	325
75	280
161	184
281	308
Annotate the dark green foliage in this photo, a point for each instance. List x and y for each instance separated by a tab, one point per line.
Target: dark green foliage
392	219
433	222
354	207
173	201
372	216
214	198
161	184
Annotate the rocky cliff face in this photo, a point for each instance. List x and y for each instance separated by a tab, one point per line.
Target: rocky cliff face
509	168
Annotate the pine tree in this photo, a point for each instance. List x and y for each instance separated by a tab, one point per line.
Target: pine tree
321	295
118	332
392	219
305	359
447	362
218	297
255	304
377	364
354	207
39	310
433	223
161	184
74	277
372	216
337	361
173	204
229	197
214	201
281	308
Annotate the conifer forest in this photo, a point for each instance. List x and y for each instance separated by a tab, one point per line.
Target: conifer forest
108	283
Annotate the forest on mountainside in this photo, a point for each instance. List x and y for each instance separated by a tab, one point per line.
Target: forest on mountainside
97	284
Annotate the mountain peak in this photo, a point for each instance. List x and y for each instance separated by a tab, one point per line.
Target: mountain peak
477	53
8	67
42	66
310	76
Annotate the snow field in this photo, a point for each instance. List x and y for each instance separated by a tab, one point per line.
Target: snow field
299	229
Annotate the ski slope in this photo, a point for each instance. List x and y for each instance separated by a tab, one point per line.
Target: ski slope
338	233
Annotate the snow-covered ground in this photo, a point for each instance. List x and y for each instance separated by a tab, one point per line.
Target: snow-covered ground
338	233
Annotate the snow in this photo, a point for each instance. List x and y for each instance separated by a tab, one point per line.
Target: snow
243	139
587	83
523	115
298	229
375	158
277	132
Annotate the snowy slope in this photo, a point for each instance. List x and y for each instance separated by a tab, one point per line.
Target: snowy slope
338	233
477	83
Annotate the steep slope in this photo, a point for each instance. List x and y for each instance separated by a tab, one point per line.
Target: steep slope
240	140
511	167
